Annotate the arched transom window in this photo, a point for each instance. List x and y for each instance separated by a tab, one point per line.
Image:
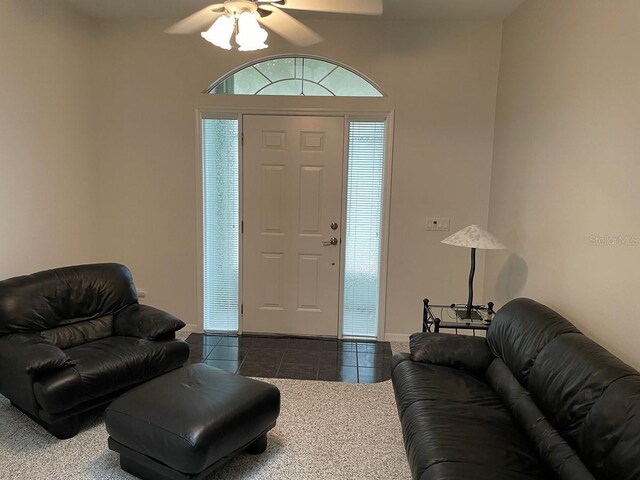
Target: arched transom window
295	76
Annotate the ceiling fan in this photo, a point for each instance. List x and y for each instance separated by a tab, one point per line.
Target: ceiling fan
218	22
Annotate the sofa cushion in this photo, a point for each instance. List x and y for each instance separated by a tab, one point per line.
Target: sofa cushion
106	366
415	381
569	376
551	447
610	434
457	351
445	441
44	300
520	330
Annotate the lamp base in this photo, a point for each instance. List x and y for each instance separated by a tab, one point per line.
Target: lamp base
462	314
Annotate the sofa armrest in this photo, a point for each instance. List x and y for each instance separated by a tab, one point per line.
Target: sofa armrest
146	322
456	351
30	354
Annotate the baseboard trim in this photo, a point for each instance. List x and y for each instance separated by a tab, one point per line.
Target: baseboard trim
190	328
396	337
388	337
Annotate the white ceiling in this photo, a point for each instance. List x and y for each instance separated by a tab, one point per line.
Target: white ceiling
393	9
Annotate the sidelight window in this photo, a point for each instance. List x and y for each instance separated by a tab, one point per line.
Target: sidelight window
365	178
221	223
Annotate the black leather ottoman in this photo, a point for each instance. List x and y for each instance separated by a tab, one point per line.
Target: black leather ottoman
189	422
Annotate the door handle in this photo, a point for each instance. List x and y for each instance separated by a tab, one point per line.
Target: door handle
331	241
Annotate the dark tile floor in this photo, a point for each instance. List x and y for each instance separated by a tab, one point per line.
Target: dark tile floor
293	357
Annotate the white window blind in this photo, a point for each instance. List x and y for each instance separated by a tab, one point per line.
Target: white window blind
365	177
221	220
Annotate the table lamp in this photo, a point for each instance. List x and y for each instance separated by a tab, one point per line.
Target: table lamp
472	237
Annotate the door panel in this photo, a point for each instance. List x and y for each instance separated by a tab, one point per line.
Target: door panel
271	267
310	200
292	181
308	269
272	199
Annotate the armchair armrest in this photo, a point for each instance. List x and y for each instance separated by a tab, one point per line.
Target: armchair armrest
30	354
146	322
456	351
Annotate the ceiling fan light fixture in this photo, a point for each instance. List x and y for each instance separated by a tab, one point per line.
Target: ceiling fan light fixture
220	32
251	36
270	14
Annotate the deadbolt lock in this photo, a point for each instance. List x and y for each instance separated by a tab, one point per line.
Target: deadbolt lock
334	226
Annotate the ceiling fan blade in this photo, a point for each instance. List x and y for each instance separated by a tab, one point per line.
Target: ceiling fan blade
289	28
197	22
358	7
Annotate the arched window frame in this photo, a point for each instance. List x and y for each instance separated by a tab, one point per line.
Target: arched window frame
211	89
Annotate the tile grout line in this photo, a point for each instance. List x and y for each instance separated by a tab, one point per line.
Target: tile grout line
357	364
243	358
284	352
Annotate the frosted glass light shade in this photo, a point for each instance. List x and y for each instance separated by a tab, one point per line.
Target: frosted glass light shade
474	237
220	32
251	35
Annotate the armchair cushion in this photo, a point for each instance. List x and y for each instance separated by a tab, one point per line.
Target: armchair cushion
31	354
457	351
107	366
143	321
78	333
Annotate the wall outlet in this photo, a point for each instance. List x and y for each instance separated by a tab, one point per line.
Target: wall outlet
437	224
141	292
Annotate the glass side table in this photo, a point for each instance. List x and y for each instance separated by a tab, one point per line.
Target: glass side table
436	317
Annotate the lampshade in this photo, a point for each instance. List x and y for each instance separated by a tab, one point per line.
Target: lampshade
251	35
474	237
220	32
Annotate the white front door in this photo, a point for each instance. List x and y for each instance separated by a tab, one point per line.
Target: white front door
292	207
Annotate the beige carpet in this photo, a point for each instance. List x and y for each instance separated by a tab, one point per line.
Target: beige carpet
325	431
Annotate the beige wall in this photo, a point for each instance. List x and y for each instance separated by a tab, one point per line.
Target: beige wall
566	165
98	151
47	168
441	80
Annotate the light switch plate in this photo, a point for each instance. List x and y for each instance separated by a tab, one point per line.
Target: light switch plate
437	224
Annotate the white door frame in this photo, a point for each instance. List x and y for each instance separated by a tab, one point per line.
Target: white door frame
358	114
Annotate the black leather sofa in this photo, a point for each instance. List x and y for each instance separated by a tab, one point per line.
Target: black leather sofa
536	400
74	338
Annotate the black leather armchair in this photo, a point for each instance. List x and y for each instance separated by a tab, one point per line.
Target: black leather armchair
74	338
